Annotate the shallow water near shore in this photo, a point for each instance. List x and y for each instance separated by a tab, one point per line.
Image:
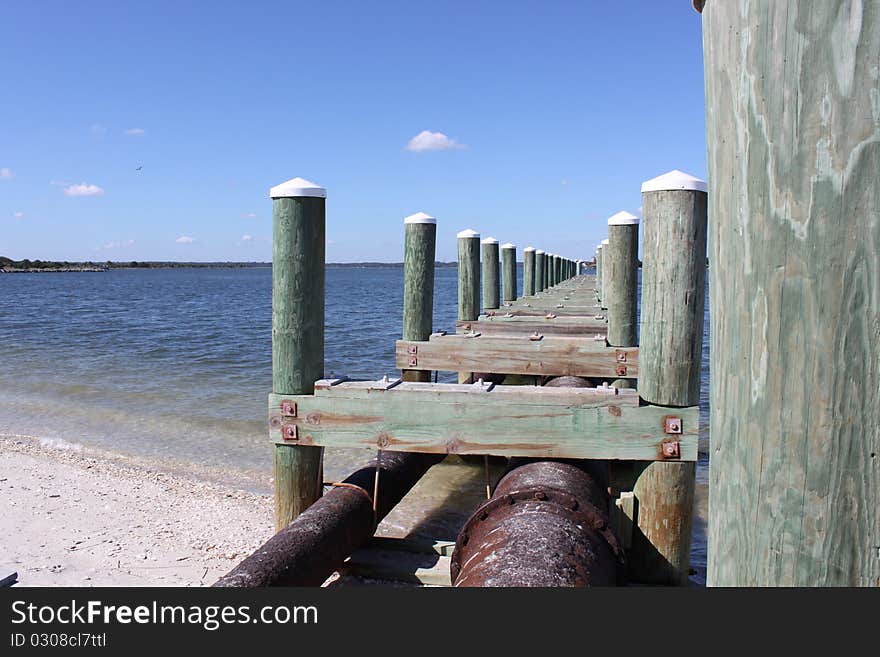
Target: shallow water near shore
173	366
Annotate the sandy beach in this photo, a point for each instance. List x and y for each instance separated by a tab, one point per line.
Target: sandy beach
73	517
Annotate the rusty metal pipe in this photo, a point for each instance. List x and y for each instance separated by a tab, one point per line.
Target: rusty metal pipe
546	524
309	549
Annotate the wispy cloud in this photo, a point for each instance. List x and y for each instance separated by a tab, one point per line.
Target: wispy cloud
249	215
432	141
564	181
83	190
6	173
97	129
117	245
135	132
185	239
19	215
247	238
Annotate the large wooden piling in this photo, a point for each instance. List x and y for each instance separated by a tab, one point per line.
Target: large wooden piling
671	339
298	243
420	239
540	270
599	273
468	275
623	268
491	275
508	271
793	132
529	272
604	265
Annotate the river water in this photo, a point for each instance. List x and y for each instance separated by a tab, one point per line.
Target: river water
173	366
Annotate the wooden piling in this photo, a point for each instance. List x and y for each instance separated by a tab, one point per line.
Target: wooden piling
671	339
491	275
420	239
540	270
622	284
793	132
508	271
298	243
599	274
605	290
468	275
530	274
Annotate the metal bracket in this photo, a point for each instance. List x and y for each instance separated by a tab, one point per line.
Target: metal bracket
412	349
384	384
670	449
288	408
550	316
483	386
472	334
535	337
323	384
290	432
672	425
621	356
621	370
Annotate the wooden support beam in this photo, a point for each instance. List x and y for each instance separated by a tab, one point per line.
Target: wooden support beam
793	131
298	210
547	356
529	325
508	272
420	239
529	421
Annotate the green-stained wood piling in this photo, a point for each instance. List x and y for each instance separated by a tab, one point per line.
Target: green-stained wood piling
420	240
508	272
468	275
793	132
604	266
298	211
540	270
491	275
529	271
599	274
623	263
671	338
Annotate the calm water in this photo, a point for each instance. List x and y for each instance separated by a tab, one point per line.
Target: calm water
175	365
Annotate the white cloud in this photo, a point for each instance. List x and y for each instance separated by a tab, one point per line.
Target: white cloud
18	215
5	173
247	238
249	215
184	239
432	141
135	132
83	190
564	181
117	245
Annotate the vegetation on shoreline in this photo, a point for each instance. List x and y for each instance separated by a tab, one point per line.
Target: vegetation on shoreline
8	265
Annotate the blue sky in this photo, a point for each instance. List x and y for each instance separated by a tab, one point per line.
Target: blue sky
553	112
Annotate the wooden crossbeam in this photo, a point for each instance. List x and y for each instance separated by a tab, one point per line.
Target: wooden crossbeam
574	326
473	419
537	356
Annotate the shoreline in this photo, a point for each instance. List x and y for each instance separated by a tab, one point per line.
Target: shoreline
77	517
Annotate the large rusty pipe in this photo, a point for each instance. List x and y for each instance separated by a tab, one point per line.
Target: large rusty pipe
545	525
309	549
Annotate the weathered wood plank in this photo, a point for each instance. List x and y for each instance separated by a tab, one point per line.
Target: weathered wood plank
793	130
527	326
500	420
549	356
397	566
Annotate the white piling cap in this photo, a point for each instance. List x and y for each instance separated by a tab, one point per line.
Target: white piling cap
419	218
488	240
541	251
623	219
297	188
529	249
508	245
674	180
468	233
605	242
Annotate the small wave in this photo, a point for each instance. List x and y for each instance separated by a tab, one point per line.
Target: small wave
61	445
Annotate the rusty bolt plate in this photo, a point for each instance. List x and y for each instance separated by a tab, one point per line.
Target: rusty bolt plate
621	356
290	432
288	408
621	370
670	449
412	349
672	425
413	361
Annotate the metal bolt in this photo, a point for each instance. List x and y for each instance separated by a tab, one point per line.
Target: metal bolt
621	356
290	432
621	370
412	349
672	425
670	449
413	361
288	408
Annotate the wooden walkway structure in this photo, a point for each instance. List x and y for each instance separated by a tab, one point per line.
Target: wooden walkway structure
565	323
